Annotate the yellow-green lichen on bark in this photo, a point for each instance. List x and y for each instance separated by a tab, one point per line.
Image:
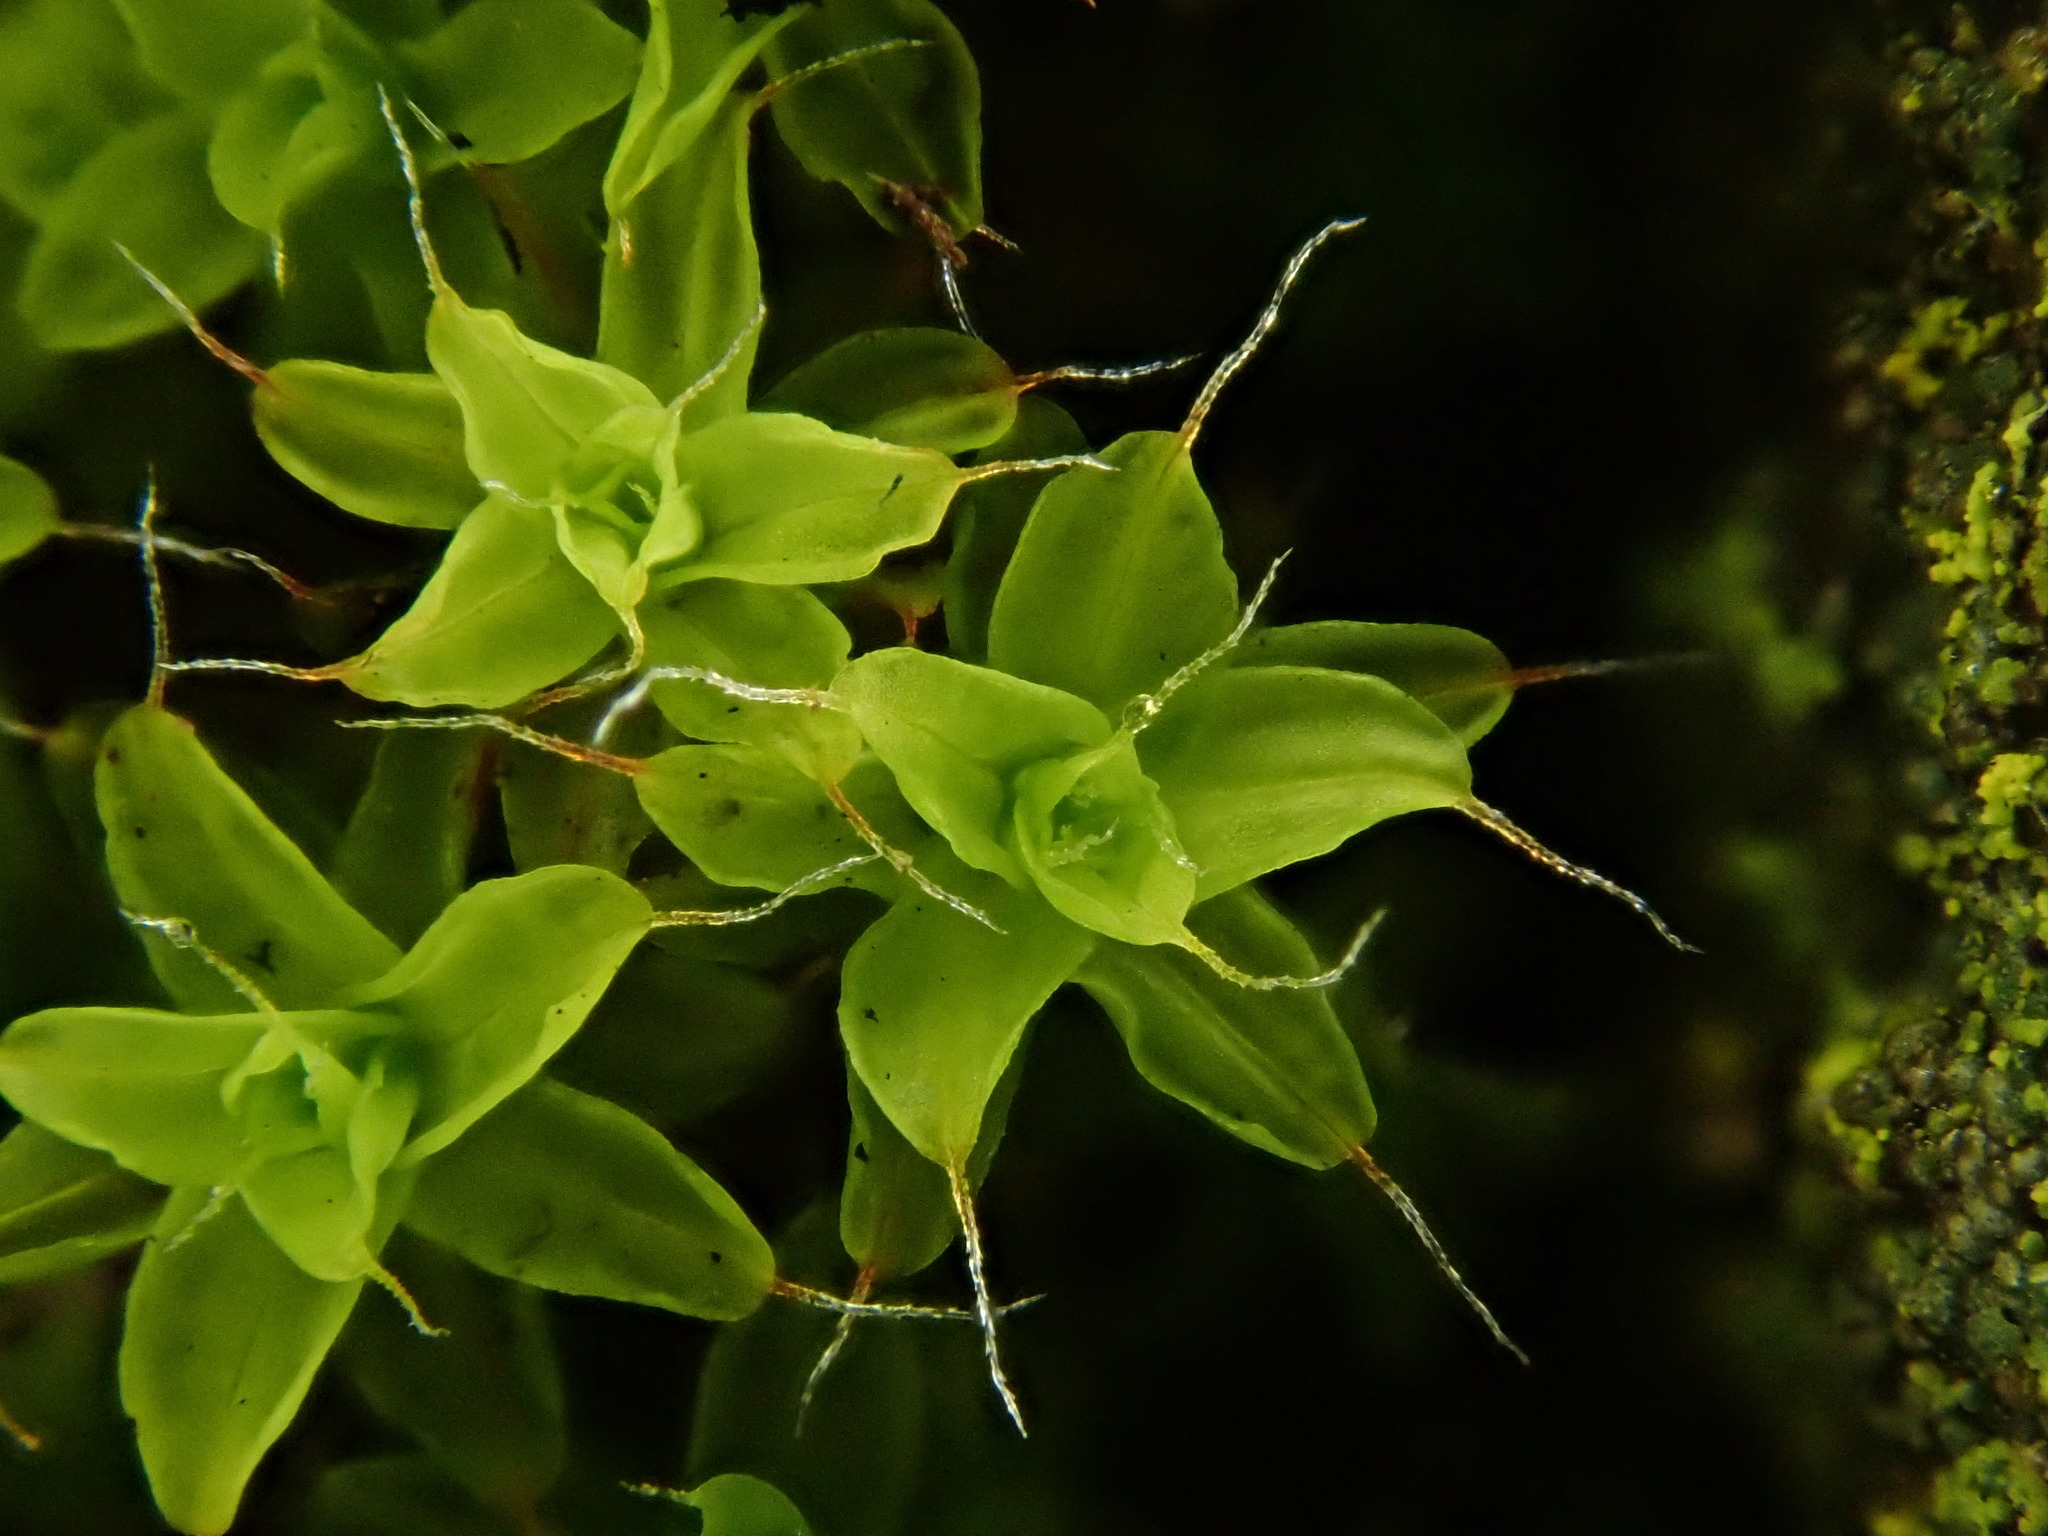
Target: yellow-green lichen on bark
1944	1121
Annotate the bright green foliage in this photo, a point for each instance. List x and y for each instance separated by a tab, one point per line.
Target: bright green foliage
386	446
294	1127
393	1052
28	510
1272	1068
63	1205
907	118
918	387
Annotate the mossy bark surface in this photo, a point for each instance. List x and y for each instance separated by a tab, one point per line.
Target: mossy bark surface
1941	1119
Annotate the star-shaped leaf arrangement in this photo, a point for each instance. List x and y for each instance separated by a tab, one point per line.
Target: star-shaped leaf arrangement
316	1089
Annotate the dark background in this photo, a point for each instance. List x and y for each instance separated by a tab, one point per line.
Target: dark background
1571	387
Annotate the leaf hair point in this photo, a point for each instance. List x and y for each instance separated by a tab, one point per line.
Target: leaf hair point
561	746
1412	1214
191	321
729	916
153	582
842	1330
1499	825
1247	980
1142	710
902	862
1268	318
985	1310
415	195
184	936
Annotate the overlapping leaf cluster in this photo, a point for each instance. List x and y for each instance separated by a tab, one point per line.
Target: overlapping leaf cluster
506	286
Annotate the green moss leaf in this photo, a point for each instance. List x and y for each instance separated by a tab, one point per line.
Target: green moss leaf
63	1206
910	116
503	615
1266	766
1272	1068
745	815
956	735
769	637
682	274
933	1004
989	519
1118	580
185	842
69	81
146	189
223	1337
499	983
569	1193
917	386
386	446
206	50
788	501
405	853
1458	676
505	79
28	509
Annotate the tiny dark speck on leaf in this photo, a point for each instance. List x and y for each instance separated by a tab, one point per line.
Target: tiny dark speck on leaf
113	754
869	1014
860	1151
141	832
717	1258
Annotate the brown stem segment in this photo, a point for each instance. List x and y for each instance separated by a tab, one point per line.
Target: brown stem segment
19	1433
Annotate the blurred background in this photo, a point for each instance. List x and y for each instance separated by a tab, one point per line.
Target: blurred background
1578	385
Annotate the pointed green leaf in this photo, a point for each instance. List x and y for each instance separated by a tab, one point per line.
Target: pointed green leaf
387	446
510	77
207	49
955	736
558	811
141	1085
696	52
932	1005
504	615
184	841
787	501
770	637
682	274
1267	766
745	815
564	1191
69	81
28	509
224	1334
278	139
917	386
1459	677
1273	1068
1118	581
486	1399
405	854
896	1207
147	189
989	519
500	982
63	1206
910	116
526	406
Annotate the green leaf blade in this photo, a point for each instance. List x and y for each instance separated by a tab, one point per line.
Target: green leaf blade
63	1206
569	1193
1265	766
1458	676
1118	580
